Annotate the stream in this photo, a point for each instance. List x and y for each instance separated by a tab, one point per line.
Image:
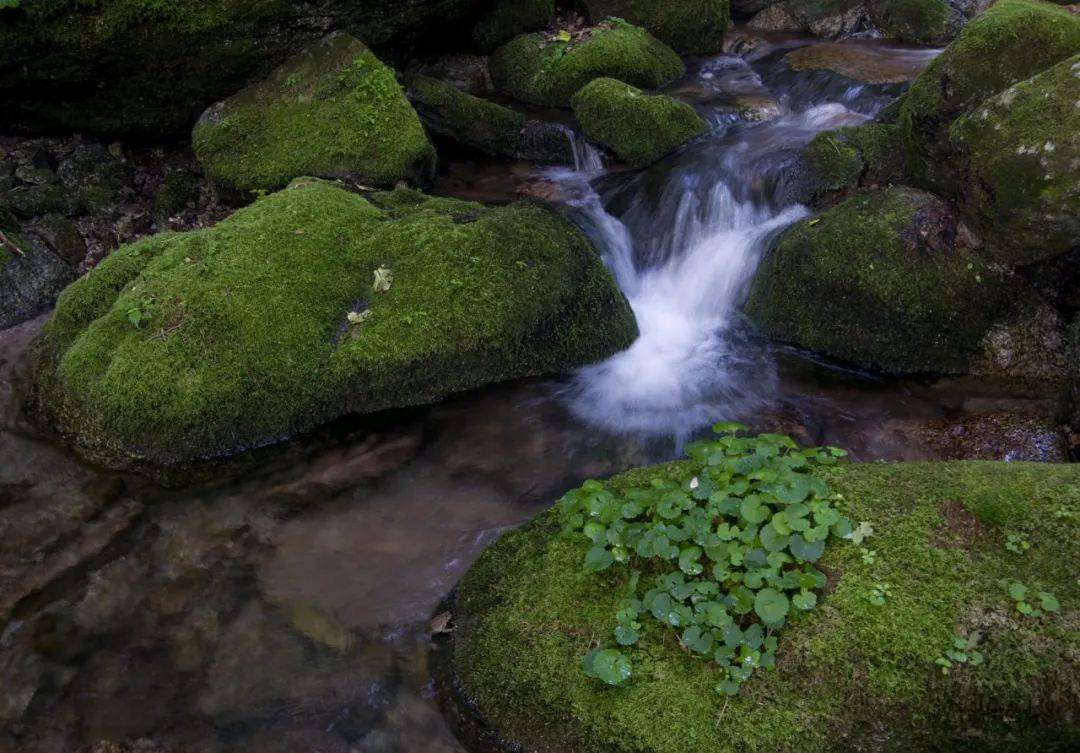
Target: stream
285	605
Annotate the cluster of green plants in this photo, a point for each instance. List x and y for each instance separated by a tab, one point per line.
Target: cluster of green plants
963	651
725	557
1025	599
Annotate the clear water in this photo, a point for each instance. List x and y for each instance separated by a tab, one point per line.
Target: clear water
286	605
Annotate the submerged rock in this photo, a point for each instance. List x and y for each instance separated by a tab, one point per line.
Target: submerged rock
849	674
1010	437
311	303
542	70
1010	42
866	64
688	26
333	111
876	281
1016	165
639	128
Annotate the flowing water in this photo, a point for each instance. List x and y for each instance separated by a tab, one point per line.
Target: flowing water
286	605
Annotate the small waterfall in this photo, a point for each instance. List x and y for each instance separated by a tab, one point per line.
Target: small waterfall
683	245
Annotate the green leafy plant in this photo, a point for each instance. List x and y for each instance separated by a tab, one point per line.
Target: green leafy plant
1016	543
728	553
962	652
868	556
142	312
879	594
1025	599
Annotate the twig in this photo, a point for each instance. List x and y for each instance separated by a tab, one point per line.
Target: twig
8	243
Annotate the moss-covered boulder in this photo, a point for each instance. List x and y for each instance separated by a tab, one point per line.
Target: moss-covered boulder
31	275
332	111
846	158
314	302
1010	42
917	21
544	70
149	67
638	127
688	26
1017	166
512	17
446	110
858	671
876	281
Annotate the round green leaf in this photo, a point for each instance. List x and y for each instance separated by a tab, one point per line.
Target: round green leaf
771	606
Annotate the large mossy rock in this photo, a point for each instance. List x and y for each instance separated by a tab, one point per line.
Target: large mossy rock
1010	42
31	275
540	69
197	345
333	111
639	128
688	26
918	21
147	67
876	281
1017	162
846	158
850	675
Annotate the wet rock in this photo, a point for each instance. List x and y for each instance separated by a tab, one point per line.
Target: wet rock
775	18
272	293
31	275
141	745
688	26
61	236
412	723
546	142
23	671
294	741
333	111
445	110
866	64
994	436
876	281
112	594
541	69
639	128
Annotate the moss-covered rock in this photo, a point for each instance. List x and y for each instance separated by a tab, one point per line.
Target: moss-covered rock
875	281
197	345
540	69
333	111
446	110
512	17
850	675
639	128
1017	157
841	160
31	275
918	21
688	26
1010	42
149	67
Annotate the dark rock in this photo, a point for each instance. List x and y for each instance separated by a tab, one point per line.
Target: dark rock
31	275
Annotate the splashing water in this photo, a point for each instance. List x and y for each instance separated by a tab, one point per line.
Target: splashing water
684	248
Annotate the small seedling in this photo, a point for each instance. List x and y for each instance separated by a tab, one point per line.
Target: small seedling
1028	603
860	533
869	556
879	594
962	652
141	313
1016	543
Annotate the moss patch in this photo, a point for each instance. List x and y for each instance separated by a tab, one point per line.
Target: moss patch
512	17
445	110
841	160
334	111
688	26
850	675
186	346
1016	166
918	21
1010	42
875	281
541	70
639	128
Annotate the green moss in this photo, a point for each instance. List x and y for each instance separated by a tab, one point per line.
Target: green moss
688	26
843	159
918	21
1016	166
850	675
243	335
479	123
333	111
874	281
1010	42
512	17
639	128
533	69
